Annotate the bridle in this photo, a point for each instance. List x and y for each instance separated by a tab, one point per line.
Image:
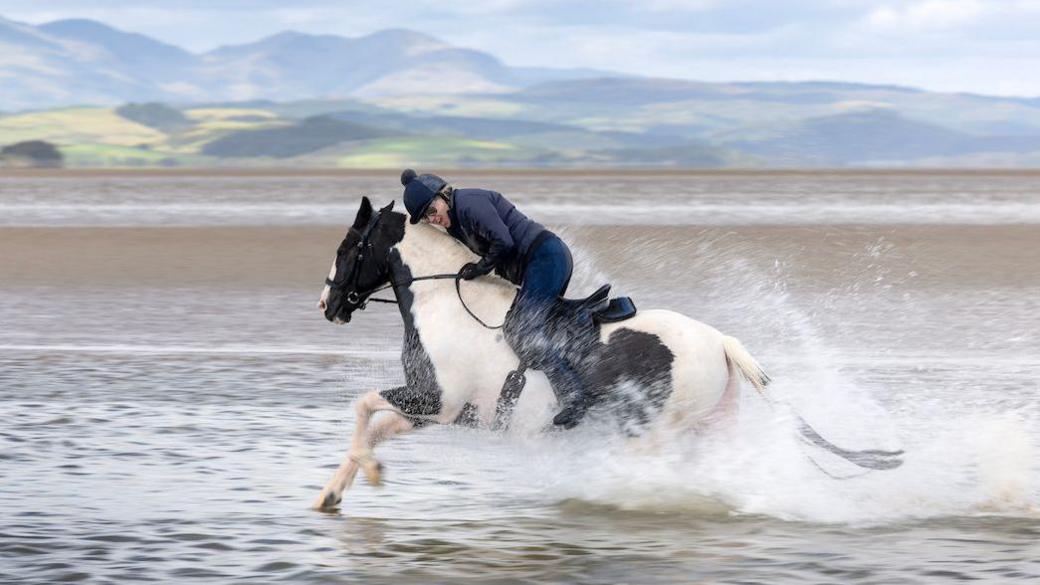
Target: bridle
364	247
360	300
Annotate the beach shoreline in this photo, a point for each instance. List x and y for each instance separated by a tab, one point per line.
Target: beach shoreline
290	256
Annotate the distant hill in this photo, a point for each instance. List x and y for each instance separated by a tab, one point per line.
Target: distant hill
137	56
869	137
622	91
344	133
32	153
88	62
856	137
307	136
41	70
154	115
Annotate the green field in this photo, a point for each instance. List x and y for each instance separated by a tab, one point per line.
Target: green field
100	137
591	125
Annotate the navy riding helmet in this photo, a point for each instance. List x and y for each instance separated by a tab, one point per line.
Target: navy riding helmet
419	191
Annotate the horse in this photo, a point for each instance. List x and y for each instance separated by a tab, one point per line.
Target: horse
659	368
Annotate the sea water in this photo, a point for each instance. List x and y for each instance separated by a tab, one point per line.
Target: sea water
178	430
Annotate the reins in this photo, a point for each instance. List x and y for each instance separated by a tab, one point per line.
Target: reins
394	284
458	291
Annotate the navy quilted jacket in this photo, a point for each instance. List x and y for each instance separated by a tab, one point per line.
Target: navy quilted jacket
492	227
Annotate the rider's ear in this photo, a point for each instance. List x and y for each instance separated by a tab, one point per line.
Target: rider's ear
364	214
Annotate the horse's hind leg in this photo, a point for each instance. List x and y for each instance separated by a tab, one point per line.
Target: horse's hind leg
366	436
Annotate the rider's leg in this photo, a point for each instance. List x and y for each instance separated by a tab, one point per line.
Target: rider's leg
546	276
570	391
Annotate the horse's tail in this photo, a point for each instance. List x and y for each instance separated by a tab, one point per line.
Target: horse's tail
868	458
748	366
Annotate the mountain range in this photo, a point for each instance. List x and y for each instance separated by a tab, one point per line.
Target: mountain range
395	97
87	62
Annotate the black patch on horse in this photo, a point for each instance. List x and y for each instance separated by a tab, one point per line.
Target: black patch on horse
408	403
468	417
633	375
422	394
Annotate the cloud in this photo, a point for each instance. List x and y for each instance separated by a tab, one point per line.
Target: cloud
672	6
929	14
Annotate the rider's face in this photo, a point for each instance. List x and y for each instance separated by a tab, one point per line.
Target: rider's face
437	213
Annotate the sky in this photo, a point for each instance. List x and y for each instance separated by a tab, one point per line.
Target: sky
981	46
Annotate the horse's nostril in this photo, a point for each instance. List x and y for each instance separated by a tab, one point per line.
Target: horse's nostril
321	305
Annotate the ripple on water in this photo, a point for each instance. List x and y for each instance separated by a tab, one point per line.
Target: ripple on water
197	573
121	538
275	566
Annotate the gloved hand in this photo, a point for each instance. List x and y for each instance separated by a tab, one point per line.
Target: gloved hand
473	269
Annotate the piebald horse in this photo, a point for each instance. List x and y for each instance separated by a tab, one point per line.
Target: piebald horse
660	369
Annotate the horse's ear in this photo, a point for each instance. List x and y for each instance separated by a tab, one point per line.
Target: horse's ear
364	214
387	208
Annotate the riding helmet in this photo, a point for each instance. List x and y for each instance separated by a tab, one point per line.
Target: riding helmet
419	191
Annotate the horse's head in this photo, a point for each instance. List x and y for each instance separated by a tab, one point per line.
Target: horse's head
362	261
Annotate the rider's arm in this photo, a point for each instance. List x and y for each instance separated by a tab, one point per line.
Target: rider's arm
483	219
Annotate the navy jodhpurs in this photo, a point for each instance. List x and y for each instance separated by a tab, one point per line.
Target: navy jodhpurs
546	276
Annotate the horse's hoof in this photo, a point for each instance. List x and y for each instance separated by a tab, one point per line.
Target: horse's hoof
327	502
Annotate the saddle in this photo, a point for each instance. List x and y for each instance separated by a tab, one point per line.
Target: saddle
573	328
574	324
599	307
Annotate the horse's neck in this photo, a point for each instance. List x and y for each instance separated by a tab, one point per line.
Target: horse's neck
430	250
424	251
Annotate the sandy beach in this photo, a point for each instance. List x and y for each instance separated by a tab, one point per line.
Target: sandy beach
282	256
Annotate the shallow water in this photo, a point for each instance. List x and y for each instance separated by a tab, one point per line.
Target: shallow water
179	432
593	199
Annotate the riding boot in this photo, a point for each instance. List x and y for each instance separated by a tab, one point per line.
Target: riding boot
570	391
573	413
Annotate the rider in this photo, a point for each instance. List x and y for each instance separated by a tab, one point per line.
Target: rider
517	249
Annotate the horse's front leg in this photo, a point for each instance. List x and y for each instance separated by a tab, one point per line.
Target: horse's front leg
366	436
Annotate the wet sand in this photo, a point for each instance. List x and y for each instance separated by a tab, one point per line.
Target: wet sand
278	257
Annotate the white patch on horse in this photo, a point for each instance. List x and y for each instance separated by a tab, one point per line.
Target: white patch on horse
323	300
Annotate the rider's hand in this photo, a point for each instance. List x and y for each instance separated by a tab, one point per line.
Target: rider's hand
472	270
